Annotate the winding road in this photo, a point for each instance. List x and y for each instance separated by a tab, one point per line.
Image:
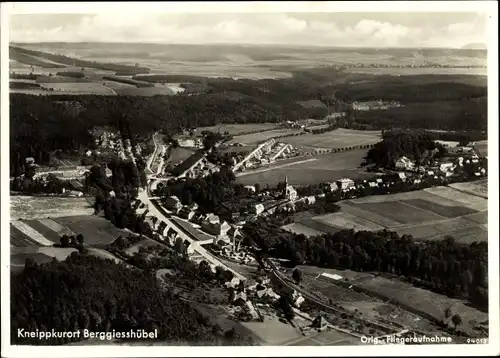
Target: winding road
156	210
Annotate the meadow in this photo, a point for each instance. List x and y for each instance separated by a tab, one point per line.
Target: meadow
96	230
429	214
255	138
237	129
324	168
339	138
41	207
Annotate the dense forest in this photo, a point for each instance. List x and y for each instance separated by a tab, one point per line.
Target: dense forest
443	266
69	296
418	146
208	192
39	124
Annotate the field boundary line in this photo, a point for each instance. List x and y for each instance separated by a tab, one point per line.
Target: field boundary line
32	233
276	167
428	211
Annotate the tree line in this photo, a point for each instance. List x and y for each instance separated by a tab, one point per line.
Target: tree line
70	296
443	266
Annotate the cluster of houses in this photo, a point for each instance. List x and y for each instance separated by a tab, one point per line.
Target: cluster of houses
444	168
201	168
112	140
190	143
266	153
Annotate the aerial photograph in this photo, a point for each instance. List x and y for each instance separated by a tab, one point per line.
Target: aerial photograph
248	179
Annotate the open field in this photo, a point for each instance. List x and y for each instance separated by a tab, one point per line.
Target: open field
33	234
299	228
143	243
325	168
77	88
430	303
347	221
103	254
235	129
421	71
339	138
254	138
19	239
96	231
479	188
272	331
46	231
328	338
143	91
40	255
401	212
482	148
179	154
41	207
418	213
467	200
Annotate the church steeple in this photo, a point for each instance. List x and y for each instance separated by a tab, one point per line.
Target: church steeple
285	187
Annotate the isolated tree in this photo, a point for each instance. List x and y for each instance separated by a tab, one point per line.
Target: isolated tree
179	245
64	240
297	275
447	312
456	320
79	239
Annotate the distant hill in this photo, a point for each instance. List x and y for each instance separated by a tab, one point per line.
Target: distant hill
475	46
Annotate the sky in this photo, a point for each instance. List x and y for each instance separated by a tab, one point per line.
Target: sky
370	29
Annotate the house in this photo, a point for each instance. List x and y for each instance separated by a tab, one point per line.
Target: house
212	219
345	184
444	167
88	153
172	203
430	173
372	184
331	186
258	209
234	283
298	301
402	176
193	206
73	193
417	181
240	299
379	180
311	199
483	171
30	160
478	174
186	213
216	229
404	163
250	188
475	160
320	323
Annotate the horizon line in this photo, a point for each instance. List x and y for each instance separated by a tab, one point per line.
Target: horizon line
249	44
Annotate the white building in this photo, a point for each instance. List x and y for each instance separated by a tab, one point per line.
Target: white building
250	188
444	167
345	184
331	186
404	163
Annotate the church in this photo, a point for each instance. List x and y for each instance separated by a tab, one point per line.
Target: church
289	192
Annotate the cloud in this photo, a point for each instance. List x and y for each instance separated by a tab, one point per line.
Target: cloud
266	28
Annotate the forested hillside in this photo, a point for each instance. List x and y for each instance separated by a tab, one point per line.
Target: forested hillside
70	296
